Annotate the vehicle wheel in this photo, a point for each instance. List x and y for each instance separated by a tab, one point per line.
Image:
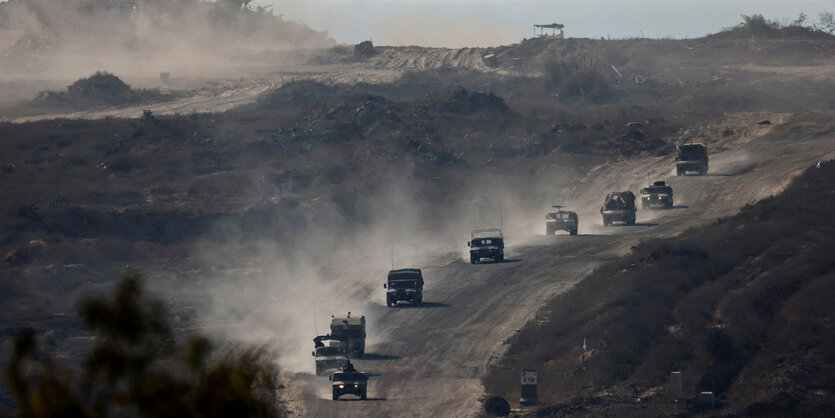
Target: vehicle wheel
643	205
549	230
678	172
388	302
473	259
364	395
500	257
631	221
419	300
605	222
335	395
318	370
573	232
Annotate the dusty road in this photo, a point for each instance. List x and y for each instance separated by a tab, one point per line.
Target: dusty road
430	358
224	94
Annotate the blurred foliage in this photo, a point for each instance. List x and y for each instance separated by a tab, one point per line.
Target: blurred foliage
138	368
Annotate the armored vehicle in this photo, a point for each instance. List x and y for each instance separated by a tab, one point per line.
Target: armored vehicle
329	353
659	194
404	284
349	381
618	207
486	243
691	157
561	220
353	329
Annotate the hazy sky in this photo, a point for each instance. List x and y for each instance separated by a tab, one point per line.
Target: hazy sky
458	23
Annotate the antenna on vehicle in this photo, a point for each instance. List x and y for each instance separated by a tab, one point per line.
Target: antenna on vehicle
501	215
417	260
315	325
392	256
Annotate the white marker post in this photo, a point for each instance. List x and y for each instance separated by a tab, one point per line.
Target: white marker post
675	385
528	387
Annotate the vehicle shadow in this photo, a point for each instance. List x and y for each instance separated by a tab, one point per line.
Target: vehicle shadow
423	305
719	175
506	260
375	356
357	399
680	207
642	224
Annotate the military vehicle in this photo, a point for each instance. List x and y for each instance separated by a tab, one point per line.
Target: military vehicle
486	243
349	381
561	220
353	329
618	207
404	284
659	194
691	157
330	353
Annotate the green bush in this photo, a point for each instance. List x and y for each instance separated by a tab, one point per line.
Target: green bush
137	367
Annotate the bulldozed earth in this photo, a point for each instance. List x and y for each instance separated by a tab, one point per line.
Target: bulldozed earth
247	197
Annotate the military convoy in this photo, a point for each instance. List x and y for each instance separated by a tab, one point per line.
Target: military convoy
347	337
691	158
658	194
349	381
486	243
404	284
619	207
352	328
561	220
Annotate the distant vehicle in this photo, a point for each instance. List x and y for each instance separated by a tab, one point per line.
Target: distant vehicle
349	381
404	284
353	329
486	243
691	157
618	207
329	353
561	220
659	194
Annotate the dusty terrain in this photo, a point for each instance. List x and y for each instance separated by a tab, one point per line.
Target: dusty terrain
254	203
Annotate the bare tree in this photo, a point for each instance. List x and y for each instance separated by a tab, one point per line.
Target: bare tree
827	22
801	18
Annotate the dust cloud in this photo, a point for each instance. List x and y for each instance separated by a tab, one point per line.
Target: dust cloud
281	292
134	38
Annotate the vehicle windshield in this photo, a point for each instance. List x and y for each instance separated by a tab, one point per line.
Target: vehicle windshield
480	242
656	190
402	284
349	376
328	351
560	215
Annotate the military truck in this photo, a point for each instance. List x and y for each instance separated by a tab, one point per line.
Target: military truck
561	220
404	284
329	352
486	243
353	329
618	207
658	194
691	158
349	381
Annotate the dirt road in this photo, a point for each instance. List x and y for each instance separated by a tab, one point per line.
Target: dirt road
225	94
430	358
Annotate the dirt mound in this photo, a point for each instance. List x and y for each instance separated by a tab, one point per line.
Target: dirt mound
101	88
